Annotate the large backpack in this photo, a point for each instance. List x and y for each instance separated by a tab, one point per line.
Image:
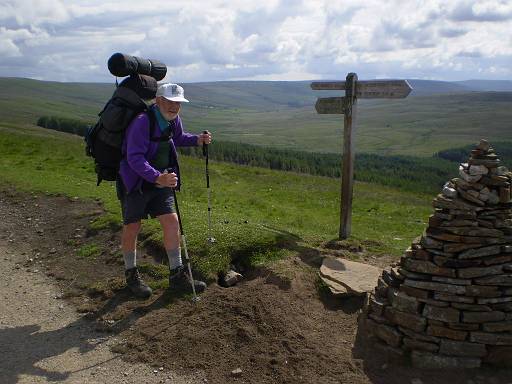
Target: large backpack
104	140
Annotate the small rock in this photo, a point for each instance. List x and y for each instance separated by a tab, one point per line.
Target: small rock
478	170
231	278
501	170
155	371
449	192
61	306
236	372
52	251
483	145
161	368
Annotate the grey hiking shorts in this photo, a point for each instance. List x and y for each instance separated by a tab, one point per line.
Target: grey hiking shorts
150	201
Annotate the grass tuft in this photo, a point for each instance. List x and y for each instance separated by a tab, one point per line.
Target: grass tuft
89	251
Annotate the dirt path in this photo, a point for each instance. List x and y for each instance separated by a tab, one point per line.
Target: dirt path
42	337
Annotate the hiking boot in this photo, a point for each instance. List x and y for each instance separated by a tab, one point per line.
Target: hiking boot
136	285
180	280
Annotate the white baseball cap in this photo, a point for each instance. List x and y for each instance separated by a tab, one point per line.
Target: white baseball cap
172	92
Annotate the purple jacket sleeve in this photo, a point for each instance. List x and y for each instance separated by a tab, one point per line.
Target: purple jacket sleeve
137	146
182	138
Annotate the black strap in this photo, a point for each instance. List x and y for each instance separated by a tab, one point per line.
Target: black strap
152	122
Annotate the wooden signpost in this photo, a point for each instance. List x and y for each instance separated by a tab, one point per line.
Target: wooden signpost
354	89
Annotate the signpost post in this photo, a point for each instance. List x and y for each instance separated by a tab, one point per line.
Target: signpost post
354	89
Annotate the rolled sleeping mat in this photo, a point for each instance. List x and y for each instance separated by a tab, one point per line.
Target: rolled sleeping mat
158	69
122	65
143	85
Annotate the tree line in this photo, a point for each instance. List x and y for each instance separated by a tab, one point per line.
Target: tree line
76	127
502	148
405	172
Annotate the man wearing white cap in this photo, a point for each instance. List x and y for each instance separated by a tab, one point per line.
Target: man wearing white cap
148	171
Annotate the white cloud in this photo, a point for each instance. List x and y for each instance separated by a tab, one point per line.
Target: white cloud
274	39
482	11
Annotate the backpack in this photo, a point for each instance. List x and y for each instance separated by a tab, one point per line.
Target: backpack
104	140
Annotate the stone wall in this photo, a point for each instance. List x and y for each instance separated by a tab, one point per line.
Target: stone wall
448	302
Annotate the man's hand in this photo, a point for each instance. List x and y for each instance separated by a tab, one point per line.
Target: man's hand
169	180
204	138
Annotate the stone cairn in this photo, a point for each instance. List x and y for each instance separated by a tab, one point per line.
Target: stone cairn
448	302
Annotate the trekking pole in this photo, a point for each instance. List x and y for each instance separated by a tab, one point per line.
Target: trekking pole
210	239
184	241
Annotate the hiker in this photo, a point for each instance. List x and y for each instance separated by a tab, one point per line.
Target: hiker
148	172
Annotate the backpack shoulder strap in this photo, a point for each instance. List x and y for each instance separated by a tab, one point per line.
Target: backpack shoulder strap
153	123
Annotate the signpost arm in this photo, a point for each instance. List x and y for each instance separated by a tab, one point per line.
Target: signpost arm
347	182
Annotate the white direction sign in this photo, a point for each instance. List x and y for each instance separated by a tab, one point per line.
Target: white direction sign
369	89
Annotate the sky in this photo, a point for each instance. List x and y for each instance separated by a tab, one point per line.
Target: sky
215	40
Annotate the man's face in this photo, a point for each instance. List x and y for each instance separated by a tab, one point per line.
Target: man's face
169	109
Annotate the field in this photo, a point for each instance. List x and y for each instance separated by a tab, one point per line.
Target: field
280	324
271	202
436	116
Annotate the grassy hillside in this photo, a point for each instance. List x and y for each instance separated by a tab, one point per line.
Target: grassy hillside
281	114
254	209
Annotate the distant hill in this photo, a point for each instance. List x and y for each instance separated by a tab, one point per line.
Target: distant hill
487	85
438	115
432	87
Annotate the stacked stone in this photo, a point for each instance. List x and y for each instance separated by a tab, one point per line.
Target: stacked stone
449	301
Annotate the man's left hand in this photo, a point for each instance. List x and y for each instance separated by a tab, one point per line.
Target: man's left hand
204	138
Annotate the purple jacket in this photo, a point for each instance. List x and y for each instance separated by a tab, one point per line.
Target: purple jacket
138	150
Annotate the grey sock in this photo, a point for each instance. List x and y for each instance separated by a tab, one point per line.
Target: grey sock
130	260
174	256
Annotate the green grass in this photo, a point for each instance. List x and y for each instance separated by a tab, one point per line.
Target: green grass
258	214
89	251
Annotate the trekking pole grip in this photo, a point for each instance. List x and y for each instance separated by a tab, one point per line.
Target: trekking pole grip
205	147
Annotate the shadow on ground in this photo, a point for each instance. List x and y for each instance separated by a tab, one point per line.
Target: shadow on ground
22	348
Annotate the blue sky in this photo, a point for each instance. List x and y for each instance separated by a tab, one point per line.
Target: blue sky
259	40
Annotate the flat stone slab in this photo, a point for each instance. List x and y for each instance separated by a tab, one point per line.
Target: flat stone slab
356	278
